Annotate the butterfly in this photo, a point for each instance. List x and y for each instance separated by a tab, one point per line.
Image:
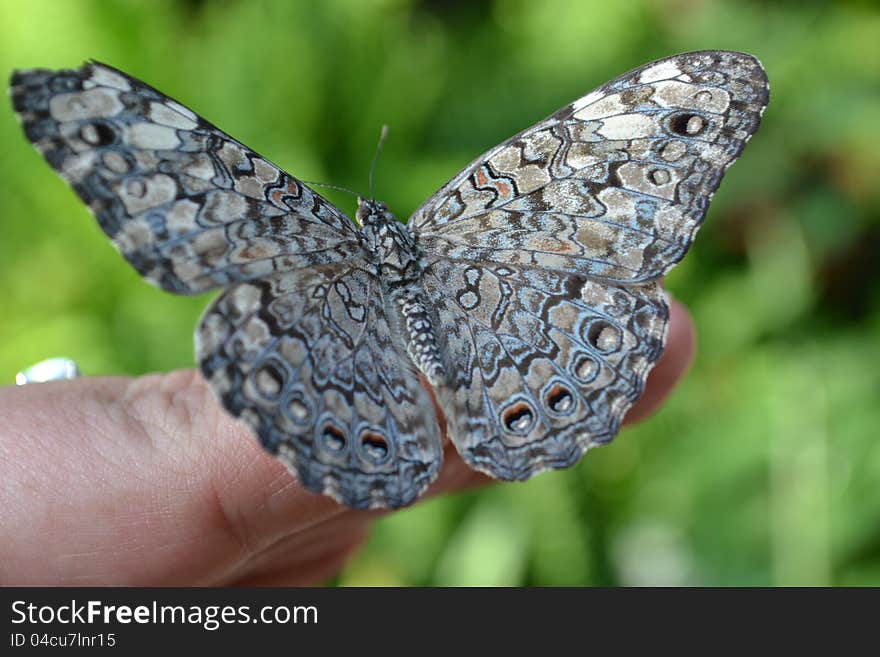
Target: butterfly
522	296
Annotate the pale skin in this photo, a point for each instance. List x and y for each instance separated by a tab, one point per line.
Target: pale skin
147	481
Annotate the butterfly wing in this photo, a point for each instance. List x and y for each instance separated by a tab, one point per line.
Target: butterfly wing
542	256
309	360
542	364
614	185
188	206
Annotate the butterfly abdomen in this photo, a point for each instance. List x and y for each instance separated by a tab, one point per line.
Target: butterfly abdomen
418	324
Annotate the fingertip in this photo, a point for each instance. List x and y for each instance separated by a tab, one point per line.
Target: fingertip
677	357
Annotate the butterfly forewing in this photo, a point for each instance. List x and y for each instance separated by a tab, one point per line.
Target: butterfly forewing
188	206
614	185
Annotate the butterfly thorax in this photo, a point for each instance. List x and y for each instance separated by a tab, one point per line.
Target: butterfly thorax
399	268
388	241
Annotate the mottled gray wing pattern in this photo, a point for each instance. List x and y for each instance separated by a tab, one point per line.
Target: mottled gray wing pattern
188	206
309	360
542	256
543	364
613	185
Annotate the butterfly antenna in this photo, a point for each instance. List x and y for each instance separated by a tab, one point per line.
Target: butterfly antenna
382	139
339	188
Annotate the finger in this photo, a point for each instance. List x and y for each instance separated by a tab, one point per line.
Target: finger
307	558
149	480
137	481
672	366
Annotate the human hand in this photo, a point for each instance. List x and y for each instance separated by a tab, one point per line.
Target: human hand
148	481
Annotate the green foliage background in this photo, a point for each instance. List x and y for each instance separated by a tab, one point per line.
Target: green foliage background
764	467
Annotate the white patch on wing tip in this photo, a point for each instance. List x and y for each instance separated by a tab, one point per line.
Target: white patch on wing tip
151	136
104	77
78	106
177	107
628	127
661	71
671	93
601	107
589	99
170	116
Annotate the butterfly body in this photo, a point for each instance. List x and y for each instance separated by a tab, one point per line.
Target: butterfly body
525	290
400	269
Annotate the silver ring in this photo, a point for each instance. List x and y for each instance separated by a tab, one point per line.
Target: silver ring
52	369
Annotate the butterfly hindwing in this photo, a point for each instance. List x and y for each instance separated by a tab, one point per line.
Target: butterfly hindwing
308	361
543	365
